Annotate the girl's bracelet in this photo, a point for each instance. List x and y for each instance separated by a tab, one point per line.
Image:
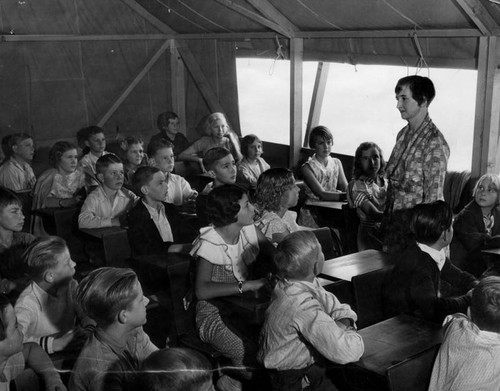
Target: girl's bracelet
240	287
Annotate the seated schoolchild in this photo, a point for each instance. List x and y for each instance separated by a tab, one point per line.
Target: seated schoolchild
13	242
217	134
46	310
305	325
108	204
132	156
225	252
175	369
477	227
252	165
276	192
161	154
62	186
155	227
113	297
414	285
95	141
168	125
323	175
221	166
367	193
471	348
16	173
15	356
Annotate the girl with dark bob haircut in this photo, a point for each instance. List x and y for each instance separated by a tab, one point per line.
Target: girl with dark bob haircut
223	206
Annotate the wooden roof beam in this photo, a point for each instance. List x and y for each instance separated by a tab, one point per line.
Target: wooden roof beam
479	15
255	17
270	12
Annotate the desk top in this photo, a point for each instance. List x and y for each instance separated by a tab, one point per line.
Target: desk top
355	264
99	233
396	339
327	204
248	305
492	251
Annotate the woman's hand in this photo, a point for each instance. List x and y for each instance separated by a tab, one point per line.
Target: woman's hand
256	285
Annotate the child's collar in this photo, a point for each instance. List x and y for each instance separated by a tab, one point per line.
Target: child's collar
110	193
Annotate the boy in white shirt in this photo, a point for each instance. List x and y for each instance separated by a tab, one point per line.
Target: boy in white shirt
94	139
108	204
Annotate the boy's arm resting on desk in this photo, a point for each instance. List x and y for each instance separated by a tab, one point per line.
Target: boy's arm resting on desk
36	359
88	218
335	342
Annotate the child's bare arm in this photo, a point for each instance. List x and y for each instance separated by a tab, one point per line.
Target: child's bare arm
39	361
311	181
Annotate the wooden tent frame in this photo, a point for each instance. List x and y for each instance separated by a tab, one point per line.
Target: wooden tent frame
487	121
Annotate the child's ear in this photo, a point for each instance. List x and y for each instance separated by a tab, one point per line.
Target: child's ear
100	177
211	173
144	190
48	277
122	316
87	143
315	268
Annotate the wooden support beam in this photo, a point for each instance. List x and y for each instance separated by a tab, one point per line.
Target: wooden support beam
296	85
254	16
178	86
132	85
270	12
485	158
317	98
479	15
159	24
200	79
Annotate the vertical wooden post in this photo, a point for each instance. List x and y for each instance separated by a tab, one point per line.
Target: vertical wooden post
317	98
487	122
296	70
178	85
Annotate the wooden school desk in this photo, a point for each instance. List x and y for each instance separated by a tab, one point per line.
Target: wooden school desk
399	355
114	241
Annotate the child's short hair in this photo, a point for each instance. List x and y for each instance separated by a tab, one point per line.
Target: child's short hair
175	369
429	221
58	150
296	254
106	291
8	197
143	176
4	303
319	133
128	141
485	304
223	206
105	161
495	179
357	170
41	255
247	141
271	186
88	131
9	141
421	87
164	118
158	144
213	155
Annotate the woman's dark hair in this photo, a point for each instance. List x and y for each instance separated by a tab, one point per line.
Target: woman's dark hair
58	150
247	141
429	221
421	87
174	369
319	133
223	204
164	118
357	170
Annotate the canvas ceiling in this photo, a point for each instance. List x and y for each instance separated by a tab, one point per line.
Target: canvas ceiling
53	88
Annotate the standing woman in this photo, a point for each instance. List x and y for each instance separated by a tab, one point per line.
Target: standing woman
417	166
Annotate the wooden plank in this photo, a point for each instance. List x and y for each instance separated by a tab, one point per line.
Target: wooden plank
479	15
296	71
178	86
317	98
486	125
254	16
133	84
272	13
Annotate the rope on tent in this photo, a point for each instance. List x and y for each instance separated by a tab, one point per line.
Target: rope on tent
279	55
421	62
